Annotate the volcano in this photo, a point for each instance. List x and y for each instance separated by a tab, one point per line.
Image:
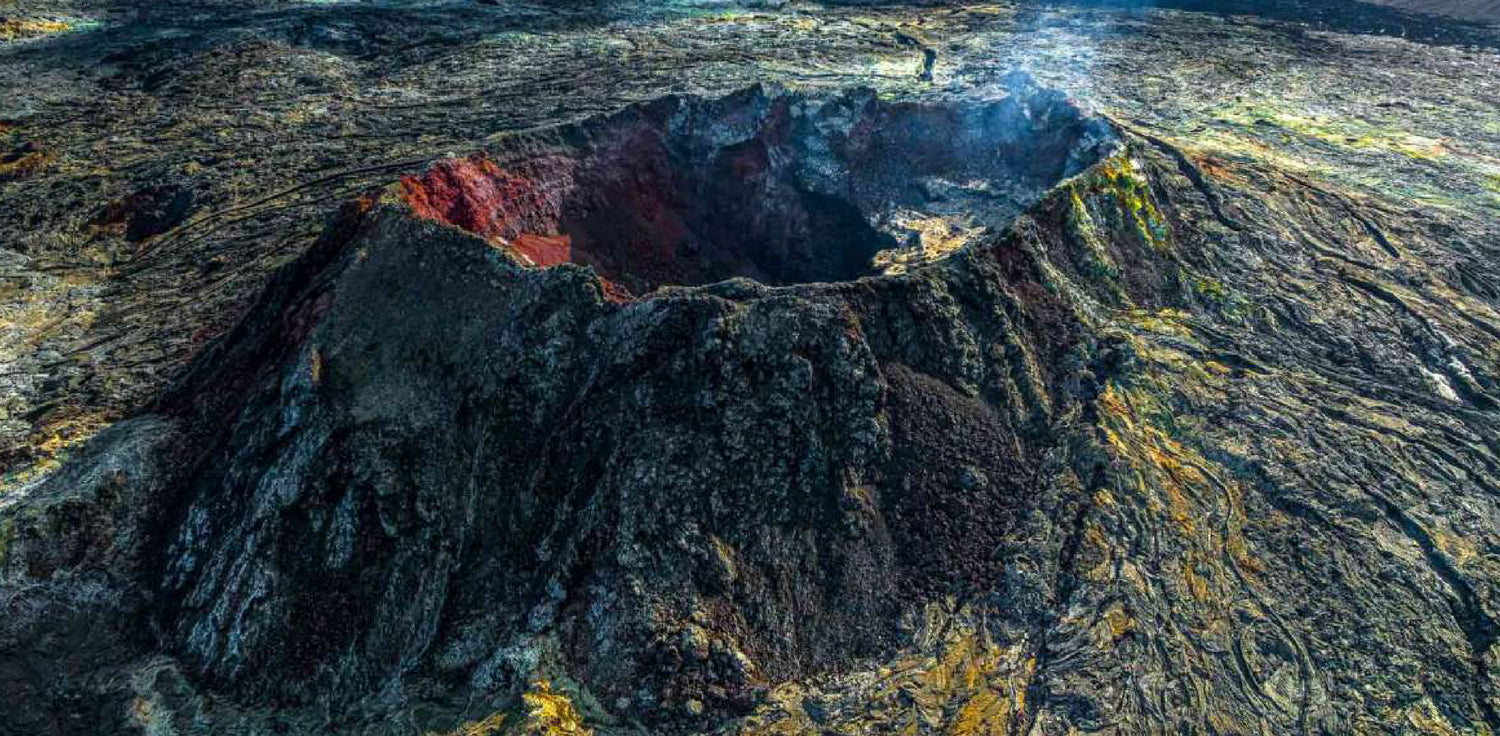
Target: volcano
931	396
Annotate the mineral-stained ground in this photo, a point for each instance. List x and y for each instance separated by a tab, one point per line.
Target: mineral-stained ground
489	367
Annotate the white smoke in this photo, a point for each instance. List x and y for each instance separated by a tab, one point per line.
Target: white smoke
1062	45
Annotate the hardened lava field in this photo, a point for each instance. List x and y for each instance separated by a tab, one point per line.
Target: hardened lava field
499	368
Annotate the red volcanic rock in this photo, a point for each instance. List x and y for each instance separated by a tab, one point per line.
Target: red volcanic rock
543	250
475	194
520	214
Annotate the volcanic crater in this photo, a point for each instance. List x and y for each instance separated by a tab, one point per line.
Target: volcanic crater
768	184
947	408
467	419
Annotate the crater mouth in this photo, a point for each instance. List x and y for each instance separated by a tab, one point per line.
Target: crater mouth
778	186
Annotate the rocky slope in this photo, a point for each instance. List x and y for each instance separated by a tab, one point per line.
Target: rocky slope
787	411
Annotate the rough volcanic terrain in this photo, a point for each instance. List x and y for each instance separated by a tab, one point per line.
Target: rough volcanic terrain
1487	11
499	368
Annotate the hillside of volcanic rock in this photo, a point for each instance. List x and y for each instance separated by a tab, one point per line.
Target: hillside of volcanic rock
785	412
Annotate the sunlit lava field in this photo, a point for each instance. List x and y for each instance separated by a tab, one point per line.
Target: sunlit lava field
487	367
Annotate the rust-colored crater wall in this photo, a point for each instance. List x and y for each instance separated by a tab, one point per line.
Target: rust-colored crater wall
763	184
